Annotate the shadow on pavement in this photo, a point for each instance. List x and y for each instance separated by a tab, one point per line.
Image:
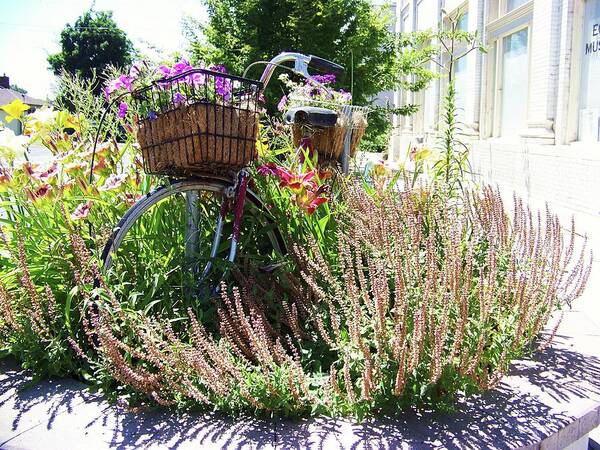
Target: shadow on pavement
540	397
507	417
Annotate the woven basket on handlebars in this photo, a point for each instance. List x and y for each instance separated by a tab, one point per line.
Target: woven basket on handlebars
329	142
203	133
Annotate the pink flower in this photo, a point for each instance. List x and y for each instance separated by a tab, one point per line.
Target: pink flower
100	164
112	182
5	175
122	82
30	168
82	211
310	200
298	182
130	198
268	169
75	167
40	192
48	173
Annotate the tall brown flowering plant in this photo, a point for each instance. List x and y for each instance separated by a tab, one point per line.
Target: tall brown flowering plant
426	298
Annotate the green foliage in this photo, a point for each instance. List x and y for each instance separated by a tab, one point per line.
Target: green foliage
450	165
349	32
76	93
352	33
90	45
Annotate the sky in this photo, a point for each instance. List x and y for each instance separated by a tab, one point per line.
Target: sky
30	31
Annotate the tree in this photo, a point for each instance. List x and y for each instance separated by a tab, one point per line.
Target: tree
90	45
352	33
349	32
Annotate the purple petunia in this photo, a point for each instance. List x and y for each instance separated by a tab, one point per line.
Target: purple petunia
222	84
178	98
118	83
122	110
164	71
328	78
196	79
152	116
181	66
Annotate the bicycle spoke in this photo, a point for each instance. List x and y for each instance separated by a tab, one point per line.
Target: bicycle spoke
168	248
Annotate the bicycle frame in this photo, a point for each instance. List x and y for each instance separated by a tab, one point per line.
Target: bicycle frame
237	192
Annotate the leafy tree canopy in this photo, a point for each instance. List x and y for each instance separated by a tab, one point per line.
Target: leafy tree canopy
349	32
353	33
90	45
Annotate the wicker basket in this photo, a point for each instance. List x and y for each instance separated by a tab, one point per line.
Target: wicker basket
198	138
329	142
196	135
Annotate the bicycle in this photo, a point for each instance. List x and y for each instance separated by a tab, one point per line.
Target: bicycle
215	199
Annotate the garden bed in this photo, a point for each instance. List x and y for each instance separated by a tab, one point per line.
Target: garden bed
551	402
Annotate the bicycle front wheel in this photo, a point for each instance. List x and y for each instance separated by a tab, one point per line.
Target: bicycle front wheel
164	255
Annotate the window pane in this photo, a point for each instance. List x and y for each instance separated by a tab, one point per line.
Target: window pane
425	18
515	71
404	27
513	4
463	23
461	84
589	104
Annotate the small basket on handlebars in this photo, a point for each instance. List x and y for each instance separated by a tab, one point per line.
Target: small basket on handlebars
329	142
200	121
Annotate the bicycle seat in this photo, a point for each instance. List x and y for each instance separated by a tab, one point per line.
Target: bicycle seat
311	115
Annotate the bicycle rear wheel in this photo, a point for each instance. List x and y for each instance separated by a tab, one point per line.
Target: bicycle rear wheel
163	255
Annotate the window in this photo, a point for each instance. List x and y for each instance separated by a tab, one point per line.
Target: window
461	84
506	93
514	4
463	22
499	8
514	79
404	24
460	71
425	17
589	101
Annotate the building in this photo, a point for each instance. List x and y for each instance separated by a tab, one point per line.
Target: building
7	95
530	105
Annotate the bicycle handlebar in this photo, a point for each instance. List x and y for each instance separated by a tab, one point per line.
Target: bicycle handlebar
301	64
325	65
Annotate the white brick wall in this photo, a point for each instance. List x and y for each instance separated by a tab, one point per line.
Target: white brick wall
567	177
